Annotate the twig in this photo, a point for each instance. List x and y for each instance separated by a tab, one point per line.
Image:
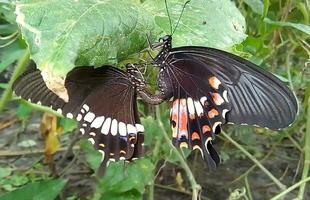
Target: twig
30	152
21	65
7	123
196	188
177	190
279	196
266	171
75	139
248	189
254	166
307	154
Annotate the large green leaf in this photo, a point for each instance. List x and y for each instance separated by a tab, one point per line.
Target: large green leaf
204	22
47	190
256	5
301	27
61	34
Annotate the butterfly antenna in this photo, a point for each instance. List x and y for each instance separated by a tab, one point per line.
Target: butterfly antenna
166	4
179	17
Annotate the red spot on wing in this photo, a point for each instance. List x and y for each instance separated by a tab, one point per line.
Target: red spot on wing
217	99
179	118
195	136
214	82
212	113
206	128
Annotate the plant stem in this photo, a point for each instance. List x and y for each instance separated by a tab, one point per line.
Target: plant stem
155	155
280	195
307	154
268	173
195	186
22	63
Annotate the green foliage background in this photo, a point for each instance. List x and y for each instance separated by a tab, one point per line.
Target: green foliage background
59	36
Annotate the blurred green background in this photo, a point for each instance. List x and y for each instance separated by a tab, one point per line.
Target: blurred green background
41	154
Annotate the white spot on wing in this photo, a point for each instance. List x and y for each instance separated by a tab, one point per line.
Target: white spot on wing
69	115
131	129
225	96
97	122
106	126
86	107
206	144
140	128
92	141
39	103
114	127
224	112
215	125
122	129
82	131
92	134
89	117
102	154
79	117
190	105
59	111
202	100
198	107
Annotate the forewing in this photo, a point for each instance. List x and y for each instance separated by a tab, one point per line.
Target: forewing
256	96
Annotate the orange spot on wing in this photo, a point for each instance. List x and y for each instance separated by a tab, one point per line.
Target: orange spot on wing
206	128
212	113
214	82
217	99
195	136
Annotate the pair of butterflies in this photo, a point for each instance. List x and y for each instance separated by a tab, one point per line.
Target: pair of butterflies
208	87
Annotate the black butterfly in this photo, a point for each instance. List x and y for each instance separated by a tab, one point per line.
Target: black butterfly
102	100
211	87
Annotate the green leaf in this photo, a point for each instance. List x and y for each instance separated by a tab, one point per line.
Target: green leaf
130	181
10	54
301	27
204	22
256	5
93	157
130	195
5	171
84	32
68	124
266	8
47	190
23	111
7	9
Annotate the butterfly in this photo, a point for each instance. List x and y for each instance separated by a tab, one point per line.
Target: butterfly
210	88
104	102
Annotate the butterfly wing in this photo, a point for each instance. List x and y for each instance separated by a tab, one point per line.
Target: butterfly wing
199	106
256	96
103	102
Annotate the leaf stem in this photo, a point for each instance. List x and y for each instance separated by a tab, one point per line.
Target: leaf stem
196	188
21	65
266	171
307	154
